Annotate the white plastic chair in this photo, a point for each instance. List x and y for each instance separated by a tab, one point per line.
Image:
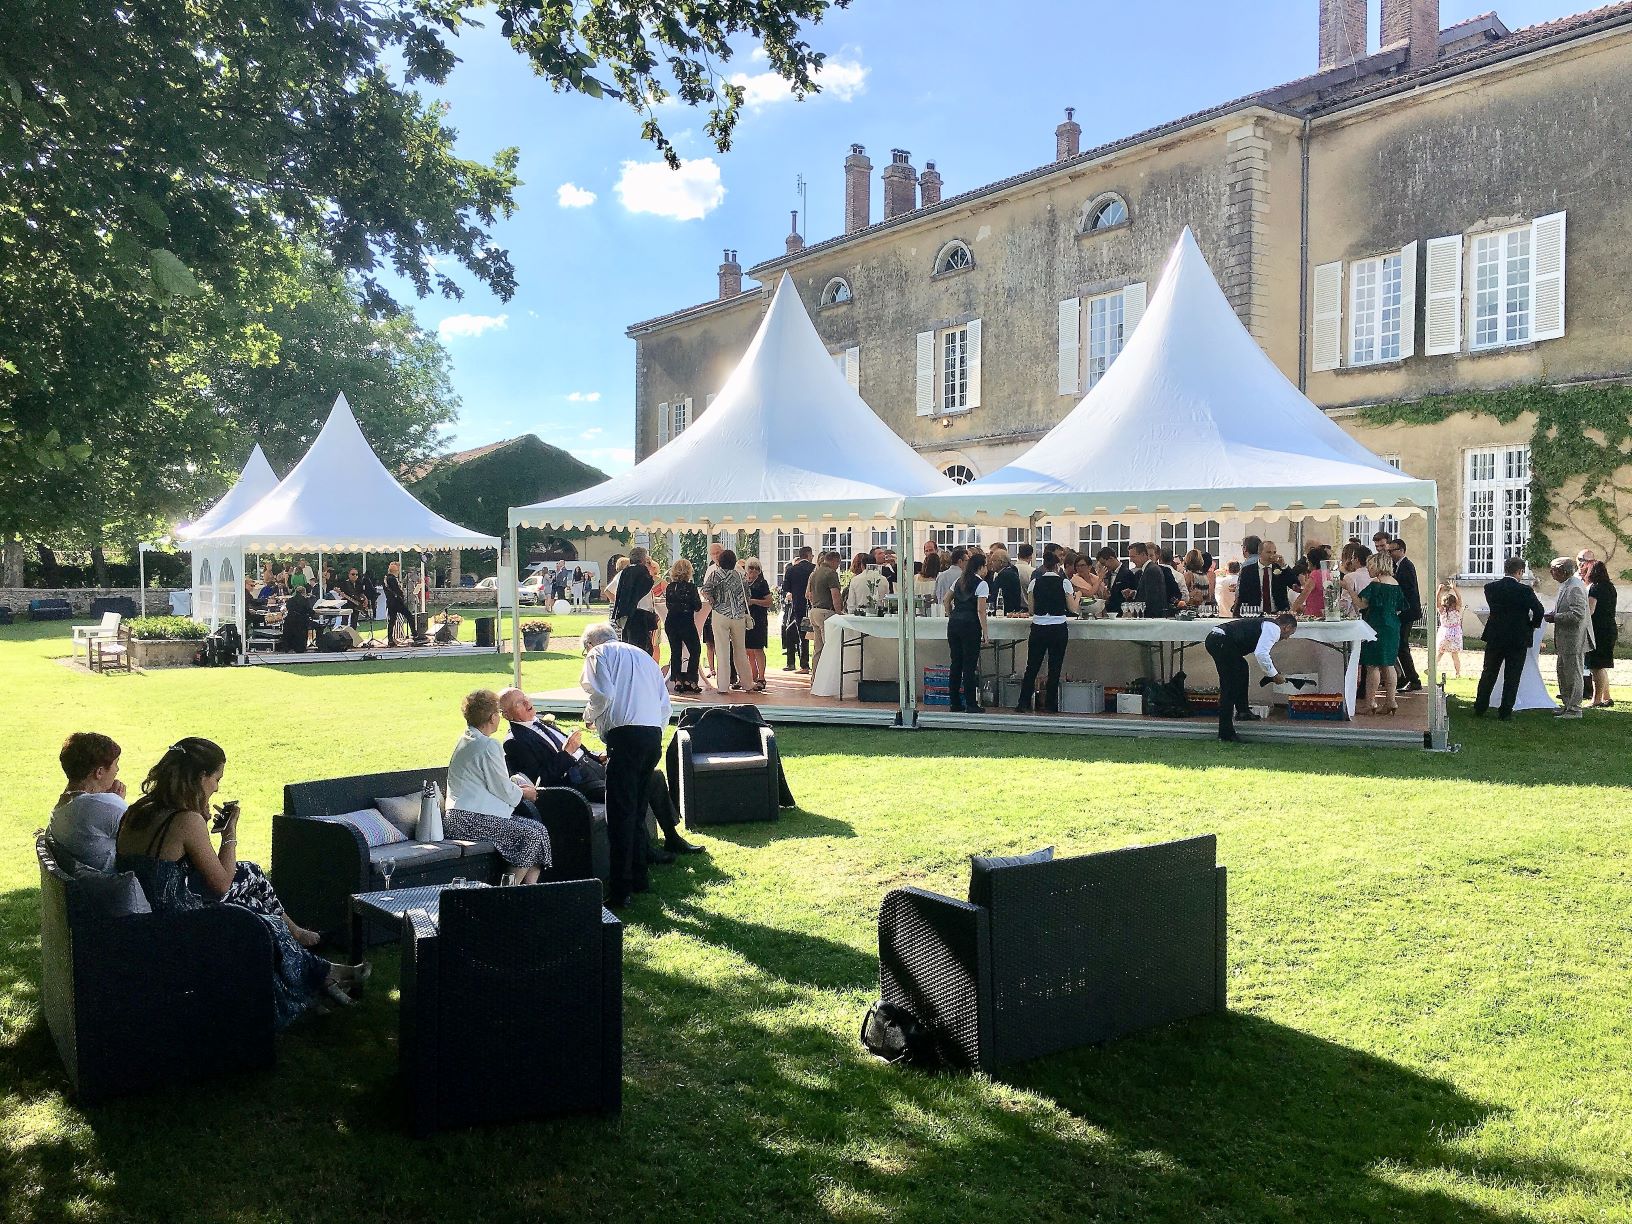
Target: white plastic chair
108	629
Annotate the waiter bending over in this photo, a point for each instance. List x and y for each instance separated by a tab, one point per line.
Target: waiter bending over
1230	644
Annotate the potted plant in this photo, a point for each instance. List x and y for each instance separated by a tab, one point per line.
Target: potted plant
164	641
535	635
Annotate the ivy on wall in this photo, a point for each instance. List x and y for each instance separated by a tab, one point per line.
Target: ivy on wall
1580	456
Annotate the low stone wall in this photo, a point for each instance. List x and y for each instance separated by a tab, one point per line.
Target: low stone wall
16	598
162	654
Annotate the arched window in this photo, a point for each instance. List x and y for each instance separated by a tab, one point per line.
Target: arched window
1107	212
957	473
204	597
837	291
953	257
226	599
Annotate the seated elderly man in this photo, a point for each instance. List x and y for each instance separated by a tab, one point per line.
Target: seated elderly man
537	748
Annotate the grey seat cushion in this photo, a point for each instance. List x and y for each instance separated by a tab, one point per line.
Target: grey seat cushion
469	849
111	896
981	867
722	761
410	856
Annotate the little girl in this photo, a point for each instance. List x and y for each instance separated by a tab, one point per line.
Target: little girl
1449	639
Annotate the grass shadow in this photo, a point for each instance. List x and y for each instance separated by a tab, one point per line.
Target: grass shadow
790	824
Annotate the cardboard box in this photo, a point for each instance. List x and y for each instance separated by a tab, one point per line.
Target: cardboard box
1082	697
1130	703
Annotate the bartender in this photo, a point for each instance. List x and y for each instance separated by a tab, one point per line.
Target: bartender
1230	644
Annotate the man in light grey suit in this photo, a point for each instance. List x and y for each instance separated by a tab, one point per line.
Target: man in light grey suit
1572	634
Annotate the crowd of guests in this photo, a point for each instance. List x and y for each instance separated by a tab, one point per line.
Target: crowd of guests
291	599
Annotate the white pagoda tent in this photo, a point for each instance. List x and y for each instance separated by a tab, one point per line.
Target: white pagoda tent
253	483
339	497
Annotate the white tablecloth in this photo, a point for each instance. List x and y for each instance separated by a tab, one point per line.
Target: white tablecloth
1106	650
1533	694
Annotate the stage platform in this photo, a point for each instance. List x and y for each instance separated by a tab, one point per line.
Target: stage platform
366	654
787	699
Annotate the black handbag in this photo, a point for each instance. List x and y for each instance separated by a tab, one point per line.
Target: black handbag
893	1033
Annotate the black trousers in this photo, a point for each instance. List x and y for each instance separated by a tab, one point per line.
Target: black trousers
632	753
1407	665
1232	682
637	628
392	611
964	686
682	631
1512	659
794	643
1046	642
658	802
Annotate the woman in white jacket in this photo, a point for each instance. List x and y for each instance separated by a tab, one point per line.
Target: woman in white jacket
482	796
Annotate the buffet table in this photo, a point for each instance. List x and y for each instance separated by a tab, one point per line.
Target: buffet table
1111	651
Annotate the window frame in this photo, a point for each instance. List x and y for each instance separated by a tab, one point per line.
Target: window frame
1508	491
1091	537
1503	288
1098	207
1375	316
944	390
959	467
1181	535
943	258
829	294
1118	297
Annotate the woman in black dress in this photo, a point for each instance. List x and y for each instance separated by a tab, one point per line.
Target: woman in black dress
681	604
1601	608
966	634
759	614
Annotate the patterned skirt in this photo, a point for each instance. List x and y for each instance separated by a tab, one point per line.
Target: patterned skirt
521	843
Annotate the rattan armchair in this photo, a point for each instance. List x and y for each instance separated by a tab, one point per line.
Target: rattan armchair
512	1006
147	1000
730	771
1061	954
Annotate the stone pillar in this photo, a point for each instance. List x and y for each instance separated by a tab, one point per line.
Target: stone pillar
1068	136
858	188
1343	32
1246	225
730	276
900	184
929	185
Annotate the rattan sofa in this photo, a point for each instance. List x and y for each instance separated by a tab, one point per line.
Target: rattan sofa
318	863
533	976
1059	954
147	1000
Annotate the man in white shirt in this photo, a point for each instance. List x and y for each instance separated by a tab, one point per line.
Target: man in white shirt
1229	645
628	708
868	590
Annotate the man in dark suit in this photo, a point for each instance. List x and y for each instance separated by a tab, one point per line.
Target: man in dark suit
1152	587
795	604
540	750
1515	615
1249	587
1405	574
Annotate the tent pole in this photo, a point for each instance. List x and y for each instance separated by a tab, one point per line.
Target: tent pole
242	605
141	577
906	648
515	601
1439	731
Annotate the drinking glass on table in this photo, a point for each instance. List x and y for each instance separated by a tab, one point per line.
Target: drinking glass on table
387	866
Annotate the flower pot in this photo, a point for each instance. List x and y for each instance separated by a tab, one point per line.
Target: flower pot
535	641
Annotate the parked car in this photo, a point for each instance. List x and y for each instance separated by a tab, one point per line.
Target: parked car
488	584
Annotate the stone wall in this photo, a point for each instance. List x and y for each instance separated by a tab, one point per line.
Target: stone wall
16	598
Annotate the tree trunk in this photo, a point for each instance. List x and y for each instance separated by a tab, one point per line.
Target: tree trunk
99	567
453	568
11	562
48	565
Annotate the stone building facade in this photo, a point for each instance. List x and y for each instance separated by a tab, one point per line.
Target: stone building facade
1448	213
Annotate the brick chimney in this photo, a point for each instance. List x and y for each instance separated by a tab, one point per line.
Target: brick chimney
730	276
929	185
1068	136
858	190
795	241
900	184
1415	23
1343	32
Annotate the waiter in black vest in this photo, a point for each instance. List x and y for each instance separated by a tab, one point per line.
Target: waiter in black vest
1230	644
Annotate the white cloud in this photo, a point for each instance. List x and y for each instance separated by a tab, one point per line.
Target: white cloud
687	194
461	326
844	79
589	435
570	195
613	454
584	397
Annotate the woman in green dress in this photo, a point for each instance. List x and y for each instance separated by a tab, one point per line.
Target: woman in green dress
1380	608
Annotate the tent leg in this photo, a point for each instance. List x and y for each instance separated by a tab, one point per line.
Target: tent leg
141	578
515	602
906	651
1439	725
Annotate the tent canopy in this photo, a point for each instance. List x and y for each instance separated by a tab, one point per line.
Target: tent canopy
341	498
253	483
787	441
1192	417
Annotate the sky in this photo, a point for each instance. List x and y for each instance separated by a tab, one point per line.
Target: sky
605	234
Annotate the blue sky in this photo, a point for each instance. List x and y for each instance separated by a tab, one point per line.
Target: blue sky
604	235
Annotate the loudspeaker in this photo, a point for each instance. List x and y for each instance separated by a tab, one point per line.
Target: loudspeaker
484	631
422	624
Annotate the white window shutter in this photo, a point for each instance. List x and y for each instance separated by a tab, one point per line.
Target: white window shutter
1070	346
973	332
1442	320
690	414
852	367
926	373
662	423
1408	300
1326	341
1547	291
1133	308
708	400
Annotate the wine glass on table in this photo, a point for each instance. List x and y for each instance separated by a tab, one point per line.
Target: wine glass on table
387	866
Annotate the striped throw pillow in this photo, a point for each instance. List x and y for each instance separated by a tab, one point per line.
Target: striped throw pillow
372	824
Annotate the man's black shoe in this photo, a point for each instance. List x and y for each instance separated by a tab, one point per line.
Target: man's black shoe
1506	716
657	854
681	846
1231	738
1248	716
1411	686
1023	708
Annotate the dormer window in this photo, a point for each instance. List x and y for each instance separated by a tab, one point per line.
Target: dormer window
953	257
836	292
1106	212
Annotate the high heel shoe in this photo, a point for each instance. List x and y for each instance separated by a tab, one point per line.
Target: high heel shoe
1392	710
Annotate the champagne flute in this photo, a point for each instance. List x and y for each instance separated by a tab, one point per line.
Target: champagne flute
387	866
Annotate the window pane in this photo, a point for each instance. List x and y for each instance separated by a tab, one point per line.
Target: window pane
1517	304
1104	334
1487	290
1388	321
954	370
1364	302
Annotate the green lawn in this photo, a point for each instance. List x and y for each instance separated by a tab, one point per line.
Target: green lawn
1431	967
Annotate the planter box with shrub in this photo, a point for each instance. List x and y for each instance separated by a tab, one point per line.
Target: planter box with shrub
164	641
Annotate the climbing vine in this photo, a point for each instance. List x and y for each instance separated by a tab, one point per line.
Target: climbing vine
1580	456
